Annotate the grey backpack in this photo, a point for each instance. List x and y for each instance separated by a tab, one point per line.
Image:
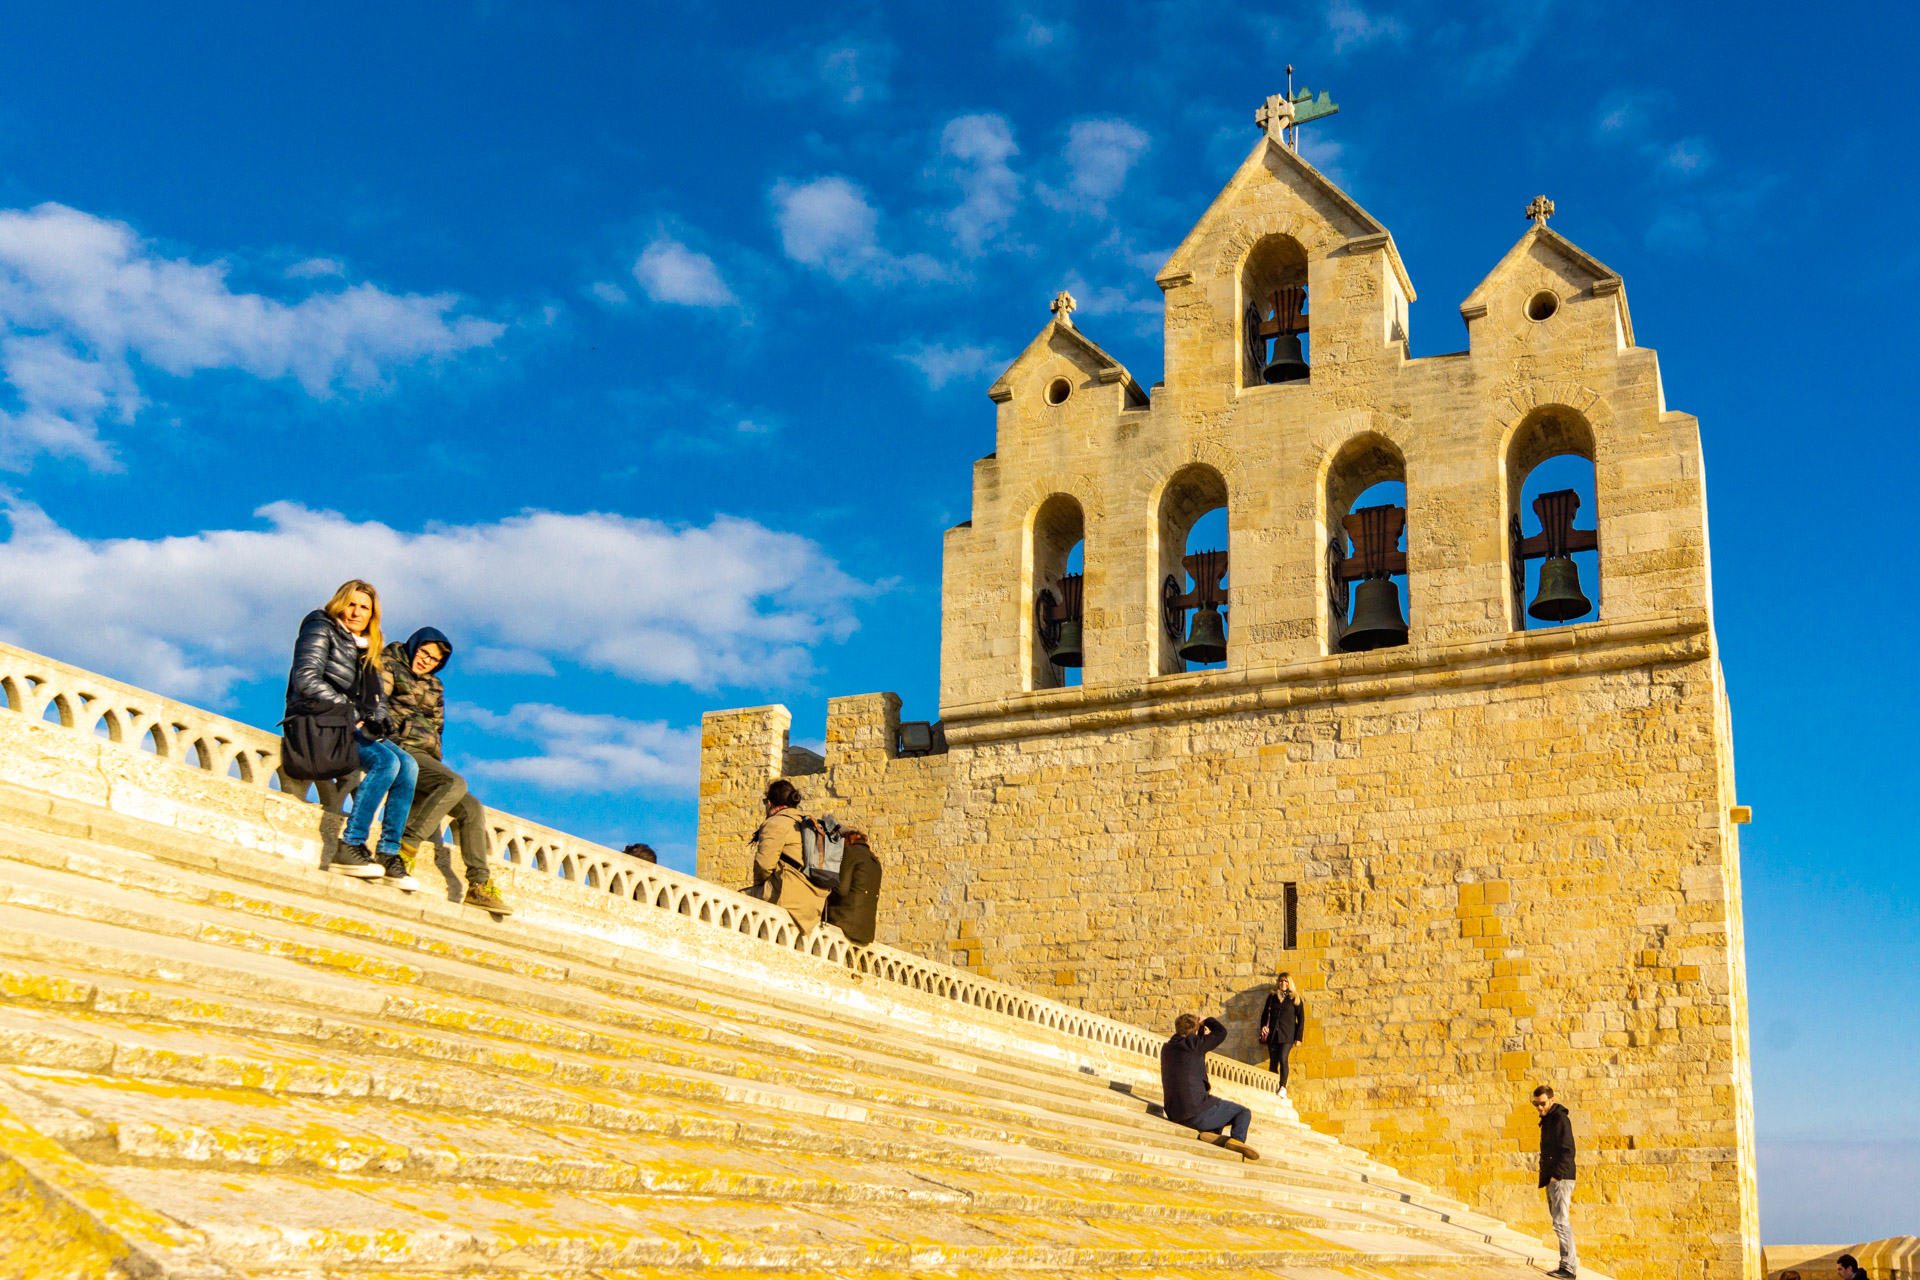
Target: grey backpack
822	845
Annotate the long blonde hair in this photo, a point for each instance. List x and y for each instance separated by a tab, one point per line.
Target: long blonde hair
336	609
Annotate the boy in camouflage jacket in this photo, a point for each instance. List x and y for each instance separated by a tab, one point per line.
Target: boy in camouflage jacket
418	705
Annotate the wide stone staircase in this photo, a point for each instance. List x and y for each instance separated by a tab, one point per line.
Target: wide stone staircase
219	1061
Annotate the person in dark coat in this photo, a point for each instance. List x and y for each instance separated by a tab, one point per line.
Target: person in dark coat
1185	1094
855	905
1283	1023
418	702
1556	1176
336	664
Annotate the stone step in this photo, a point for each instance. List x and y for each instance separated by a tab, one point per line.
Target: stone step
285	1071
983	1075
344	1221
211	1043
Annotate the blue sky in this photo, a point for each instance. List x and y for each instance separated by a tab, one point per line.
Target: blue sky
644	349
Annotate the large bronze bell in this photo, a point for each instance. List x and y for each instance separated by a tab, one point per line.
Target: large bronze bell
1377	623
1288	364
1066	650
1560	596
1206	636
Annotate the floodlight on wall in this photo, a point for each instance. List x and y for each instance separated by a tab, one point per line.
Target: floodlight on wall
916	738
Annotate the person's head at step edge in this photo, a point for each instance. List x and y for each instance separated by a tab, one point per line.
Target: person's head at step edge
782	795
356	607
1186	1024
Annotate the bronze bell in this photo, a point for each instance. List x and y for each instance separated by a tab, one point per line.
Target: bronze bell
1066	650
1206	636
1377	623
1288	364
1559	597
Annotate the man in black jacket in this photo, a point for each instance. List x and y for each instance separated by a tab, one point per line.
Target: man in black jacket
1187	1099
1556	1175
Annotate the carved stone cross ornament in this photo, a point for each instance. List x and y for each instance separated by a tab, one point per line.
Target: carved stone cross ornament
1540	210
1063	305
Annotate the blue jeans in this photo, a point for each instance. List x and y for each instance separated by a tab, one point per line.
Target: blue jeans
389	775
1221	1114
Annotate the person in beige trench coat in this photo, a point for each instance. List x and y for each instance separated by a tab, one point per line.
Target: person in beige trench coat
777	858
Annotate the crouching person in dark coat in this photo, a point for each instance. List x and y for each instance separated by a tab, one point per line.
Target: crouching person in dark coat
855	905
1188	1099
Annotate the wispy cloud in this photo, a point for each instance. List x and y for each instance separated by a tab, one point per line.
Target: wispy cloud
731	602
1099	154
829	224
608	292
308	268
849	72
1044	38
940	363
671	272
84	301
980	147
1353	27
579	753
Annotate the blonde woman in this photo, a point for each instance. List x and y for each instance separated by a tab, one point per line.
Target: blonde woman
1283	1022
336	664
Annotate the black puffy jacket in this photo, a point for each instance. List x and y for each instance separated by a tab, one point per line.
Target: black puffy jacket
1184	1091
1556	1145
328	672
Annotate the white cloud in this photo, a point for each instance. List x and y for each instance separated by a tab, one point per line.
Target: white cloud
82	299
308	268
829	224
850	72
1325	154
671	272
728	603
1099	155
989	188
1354	27
1688	157
941	364
584	753
608	292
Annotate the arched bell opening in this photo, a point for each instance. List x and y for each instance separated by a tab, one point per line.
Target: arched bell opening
1056	592
1192	602
1273	313
1553	541
1369	597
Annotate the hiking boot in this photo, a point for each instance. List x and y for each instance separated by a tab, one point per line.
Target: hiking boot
1244	1151
355	860
1560	1273
396	873
482	895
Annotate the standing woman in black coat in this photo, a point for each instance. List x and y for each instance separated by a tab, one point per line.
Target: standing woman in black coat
1282	1024
336	663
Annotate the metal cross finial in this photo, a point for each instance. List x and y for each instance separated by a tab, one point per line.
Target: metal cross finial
1540	210
1063	305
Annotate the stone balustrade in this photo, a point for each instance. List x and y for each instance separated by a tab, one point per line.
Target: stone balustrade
231	754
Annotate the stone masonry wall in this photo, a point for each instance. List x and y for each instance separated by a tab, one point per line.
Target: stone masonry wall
1513	849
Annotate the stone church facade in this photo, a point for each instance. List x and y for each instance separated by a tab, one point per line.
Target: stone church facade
1489	855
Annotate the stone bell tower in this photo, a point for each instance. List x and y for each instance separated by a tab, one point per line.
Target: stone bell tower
1492	852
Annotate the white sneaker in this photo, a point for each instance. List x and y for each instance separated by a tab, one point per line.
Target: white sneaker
1283	1094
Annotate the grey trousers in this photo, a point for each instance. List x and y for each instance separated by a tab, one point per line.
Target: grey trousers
439	792
1559	1208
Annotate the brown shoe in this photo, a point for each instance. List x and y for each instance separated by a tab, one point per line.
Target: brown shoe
1246	1152
483	897
1214	1139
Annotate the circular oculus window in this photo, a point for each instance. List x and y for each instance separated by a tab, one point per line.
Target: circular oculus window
1542	305
1058	390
